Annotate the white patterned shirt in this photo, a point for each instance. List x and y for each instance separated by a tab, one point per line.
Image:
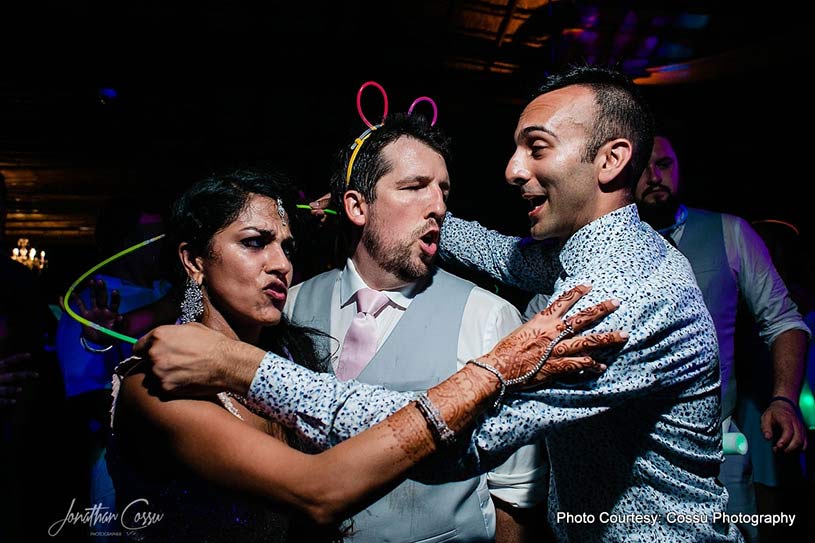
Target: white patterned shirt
631	449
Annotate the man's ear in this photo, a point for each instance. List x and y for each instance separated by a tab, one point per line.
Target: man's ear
612	158
193	263
356	208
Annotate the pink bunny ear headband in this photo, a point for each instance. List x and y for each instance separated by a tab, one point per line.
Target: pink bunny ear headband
355	147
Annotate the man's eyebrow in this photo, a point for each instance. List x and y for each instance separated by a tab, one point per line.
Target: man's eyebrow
414	179
537	128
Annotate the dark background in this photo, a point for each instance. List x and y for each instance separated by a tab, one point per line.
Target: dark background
207	84
202	85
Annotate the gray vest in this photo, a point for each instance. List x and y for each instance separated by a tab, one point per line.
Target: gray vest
419	353
702	243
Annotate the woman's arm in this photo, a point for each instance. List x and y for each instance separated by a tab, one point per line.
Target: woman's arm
328	486
345	478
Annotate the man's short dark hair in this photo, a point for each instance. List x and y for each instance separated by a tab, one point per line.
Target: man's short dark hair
370	164
622	112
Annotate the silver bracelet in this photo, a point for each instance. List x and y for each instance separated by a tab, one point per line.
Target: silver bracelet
497	373
94	350
528	375
443	434
534	371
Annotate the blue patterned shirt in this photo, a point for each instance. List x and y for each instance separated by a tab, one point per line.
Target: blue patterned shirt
634	452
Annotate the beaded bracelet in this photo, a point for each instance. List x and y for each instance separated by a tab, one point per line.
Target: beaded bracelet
526	376
87	346
443	434
534	371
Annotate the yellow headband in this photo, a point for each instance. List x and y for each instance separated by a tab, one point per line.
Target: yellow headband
355	148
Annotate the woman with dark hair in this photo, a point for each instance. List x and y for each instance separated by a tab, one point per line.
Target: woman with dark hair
209	469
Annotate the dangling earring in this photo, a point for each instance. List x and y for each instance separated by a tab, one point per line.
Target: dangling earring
192	306
281	211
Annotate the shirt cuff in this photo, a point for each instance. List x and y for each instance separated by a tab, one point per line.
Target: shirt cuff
277	391
522	481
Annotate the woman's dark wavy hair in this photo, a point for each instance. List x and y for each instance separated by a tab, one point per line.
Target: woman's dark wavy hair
208	207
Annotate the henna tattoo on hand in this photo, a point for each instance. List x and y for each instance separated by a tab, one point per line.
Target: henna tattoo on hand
519	352
461	397
586	317
584	343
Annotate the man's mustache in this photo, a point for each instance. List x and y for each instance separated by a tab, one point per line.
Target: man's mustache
656	188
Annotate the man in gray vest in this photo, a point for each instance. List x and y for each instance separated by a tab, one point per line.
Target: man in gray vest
395	316
730	261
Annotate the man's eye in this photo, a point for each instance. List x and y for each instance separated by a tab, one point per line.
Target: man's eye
538	149
664	164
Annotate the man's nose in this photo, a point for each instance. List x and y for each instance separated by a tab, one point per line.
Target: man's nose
438	205
653	174
516	172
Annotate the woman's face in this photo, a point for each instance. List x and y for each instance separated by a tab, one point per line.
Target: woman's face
248	271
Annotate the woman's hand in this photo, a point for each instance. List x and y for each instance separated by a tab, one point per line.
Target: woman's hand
519	353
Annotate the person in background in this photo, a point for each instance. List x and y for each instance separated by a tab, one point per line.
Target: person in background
33	420
87	357
779	479
730	262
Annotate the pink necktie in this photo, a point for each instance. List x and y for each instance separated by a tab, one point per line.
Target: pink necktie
361	339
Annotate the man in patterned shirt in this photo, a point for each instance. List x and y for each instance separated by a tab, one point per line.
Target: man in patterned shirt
634	452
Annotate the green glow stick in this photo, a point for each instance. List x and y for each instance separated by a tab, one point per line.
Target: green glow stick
807	404
734	443
85	275
304	206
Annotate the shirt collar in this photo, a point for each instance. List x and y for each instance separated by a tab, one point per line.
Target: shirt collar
607	231
680	217
351	282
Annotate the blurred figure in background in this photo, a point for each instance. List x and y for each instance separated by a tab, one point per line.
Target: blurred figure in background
730	263
87	358
31	404
780	482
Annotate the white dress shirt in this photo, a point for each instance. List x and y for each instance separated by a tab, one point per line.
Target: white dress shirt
487	319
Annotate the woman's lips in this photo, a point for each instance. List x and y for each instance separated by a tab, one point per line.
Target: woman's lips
277	292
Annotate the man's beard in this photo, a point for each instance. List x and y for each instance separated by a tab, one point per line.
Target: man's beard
395	257
659	214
